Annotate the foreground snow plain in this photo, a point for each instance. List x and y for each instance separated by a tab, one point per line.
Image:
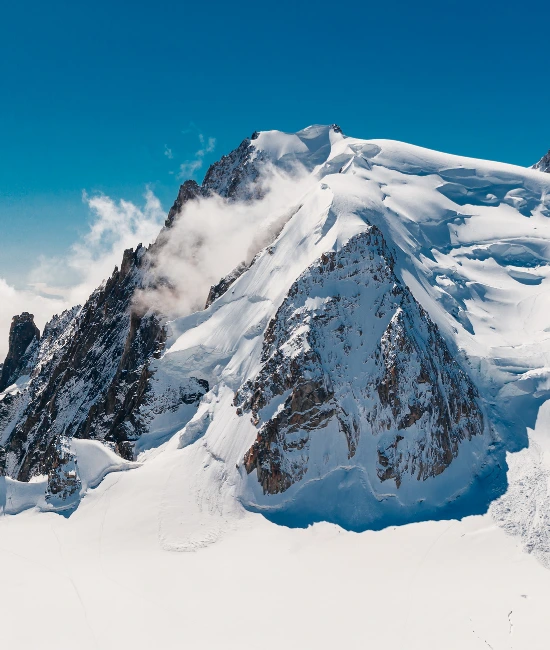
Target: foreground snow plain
167	555
118	573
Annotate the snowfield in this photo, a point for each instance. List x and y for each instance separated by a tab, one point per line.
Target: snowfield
185	547
141	564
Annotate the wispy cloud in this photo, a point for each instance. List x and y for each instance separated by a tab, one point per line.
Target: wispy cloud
189	167
57	283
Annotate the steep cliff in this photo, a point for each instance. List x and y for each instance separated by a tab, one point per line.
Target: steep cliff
24	338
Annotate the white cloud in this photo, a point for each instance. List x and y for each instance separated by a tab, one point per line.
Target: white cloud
189	167
168	152
57	283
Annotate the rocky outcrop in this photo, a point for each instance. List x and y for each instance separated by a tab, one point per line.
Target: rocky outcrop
232	177
420	382
223	285
350	351
189	191
543	164
63	479
24	337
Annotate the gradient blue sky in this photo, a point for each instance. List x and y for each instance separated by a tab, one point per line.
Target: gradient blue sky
92	93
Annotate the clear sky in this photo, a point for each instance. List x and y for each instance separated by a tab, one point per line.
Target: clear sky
113	96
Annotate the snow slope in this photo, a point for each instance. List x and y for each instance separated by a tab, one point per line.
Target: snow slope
188	550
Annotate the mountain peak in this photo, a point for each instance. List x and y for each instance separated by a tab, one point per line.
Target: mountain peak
23	333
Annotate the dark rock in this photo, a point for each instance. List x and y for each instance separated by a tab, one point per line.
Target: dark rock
23	337
232	177
543	164
189	191
223	285
63	479
90	373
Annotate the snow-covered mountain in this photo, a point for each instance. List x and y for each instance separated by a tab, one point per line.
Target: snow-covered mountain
383	358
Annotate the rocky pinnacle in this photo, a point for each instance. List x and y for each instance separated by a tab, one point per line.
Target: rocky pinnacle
23	332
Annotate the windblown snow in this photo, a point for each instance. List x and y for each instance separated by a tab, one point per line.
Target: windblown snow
363	458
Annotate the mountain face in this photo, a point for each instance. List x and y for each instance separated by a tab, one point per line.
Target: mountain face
369	366
351	351
232	177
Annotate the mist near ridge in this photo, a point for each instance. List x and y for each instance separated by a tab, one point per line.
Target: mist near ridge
207	241
212	236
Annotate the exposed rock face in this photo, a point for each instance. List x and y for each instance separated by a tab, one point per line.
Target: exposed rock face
90	376
543	164
421	383
234	175
352	352
24	336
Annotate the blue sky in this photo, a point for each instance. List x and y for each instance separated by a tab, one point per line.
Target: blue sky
92	94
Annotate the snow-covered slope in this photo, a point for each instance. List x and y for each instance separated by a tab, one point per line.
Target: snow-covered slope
385	359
